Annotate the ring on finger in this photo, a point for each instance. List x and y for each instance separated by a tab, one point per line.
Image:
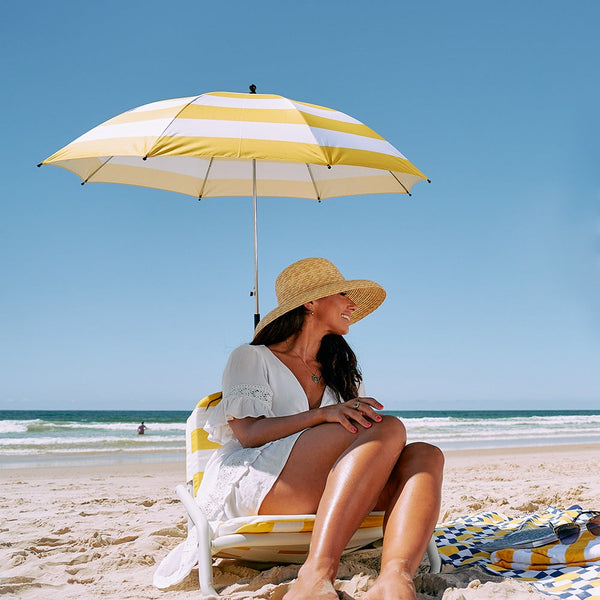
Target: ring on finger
356	404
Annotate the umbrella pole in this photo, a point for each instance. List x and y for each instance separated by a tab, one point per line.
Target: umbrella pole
256	310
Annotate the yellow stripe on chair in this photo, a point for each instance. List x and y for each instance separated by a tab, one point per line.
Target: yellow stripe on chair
197	479
374	519
199	441
210	399
285	524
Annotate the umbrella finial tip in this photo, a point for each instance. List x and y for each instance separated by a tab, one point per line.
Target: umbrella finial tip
252	88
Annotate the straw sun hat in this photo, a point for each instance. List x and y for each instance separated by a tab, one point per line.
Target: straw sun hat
313	278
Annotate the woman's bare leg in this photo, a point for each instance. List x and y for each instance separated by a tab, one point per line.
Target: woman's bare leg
340	476
412	503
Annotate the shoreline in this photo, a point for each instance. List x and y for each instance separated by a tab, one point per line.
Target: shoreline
125	461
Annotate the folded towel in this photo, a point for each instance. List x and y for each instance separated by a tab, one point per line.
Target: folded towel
570	572
584	552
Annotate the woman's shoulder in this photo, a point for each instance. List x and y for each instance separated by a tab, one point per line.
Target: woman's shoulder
248	354
248	350
247	364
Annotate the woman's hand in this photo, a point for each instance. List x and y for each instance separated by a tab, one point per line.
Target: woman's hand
358	410
257	431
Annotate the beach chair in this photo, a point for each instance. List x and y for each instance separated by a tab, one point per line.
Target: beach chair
262	538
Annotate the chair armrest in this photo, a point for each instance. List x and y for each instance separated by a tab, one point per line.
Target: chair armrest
192	509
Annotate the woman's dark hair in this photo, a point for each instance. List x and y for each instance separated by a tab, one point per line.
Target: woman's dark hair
339	367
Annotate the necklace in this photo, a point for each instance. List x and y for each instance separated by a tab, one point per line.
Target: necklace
316	378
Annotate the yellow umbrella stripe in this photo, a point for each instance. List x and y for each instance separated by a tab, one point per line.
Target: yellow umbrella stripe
227	114
242	96
285	151
240	149
102	148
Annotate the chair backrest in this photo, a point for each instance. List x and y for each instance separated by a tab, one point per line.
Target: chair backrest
198	448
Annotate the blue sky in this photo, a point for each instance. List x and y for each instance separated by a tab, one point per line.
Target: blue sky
122	297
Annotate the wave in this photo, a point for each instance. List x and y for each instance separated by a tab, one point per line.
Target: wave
52	451
576	437
42	426
51	442
564	420
17	426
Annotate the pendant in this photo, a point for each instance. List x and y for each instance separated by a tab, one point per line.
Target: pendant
315	378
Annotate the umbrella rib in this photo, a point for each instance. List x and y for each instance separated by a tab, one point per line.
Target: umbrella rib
169	125
401	184
96	171
205	179
313	182
309	127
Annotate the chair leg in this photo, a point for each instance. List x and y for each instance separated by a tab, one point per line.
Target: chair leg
205	575
434	557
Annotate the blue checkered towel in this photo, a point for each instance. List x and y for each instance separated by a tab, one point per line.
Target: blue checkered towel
571	572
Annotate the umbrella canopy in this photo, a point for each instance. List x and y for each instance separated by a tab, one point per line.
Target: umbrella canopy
231	144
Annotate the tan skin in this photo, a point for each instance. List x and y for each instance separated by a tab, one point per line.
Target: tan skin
348	462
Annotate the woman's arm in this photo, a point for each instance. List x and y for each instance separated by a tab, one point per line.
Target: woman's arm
256	431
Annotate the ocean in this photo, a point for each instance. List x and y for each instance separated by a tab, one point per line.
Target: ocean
70	438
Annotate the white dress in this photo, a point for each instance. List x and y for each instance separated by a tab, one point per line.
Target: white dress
236	479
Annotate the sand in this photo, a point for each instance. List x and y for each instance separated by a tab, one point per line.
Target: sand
99	532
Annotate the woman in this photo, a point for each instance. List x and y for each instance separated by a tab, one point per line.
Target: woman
301	436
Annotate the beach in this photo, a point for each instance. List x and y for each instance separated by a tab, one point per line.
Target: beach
99	531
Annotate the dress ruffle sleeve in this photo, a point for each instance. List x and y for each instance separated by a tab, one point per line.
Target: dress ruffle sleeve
246	393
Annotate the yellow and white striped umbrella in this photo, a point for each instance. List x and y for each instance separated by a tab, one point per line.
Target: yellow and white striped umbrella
230	144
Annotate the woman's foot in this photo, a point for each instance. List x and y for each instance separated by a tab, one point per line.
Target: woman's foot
311	586
397	585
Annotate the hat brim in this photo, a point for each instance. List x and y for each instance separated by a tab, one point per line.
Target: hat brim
367	295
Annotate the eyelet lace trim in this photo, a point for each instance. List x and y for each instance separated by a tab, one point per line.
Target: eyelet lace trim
254	392
234	468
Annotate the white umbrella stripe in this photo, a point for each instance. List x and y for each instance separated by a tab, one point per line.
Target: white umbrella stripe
259	103
334	115
136	129
162	104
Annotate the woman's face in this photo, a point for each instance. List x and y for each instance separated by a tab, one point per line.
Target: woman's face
334	312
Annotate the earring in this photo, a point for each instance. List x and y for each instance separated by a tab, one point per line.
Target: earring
312	313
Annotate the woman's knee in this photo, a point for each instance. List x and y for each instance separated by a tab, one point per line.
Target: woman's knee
390	430
426	454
